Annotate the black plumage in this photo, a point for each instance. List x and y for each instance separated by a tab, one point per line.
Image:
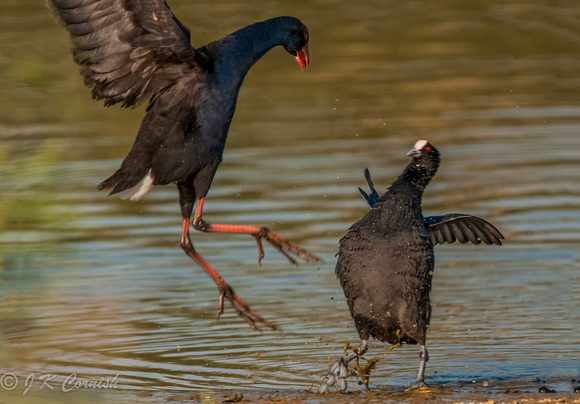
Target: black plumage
135	51
386	261
447	228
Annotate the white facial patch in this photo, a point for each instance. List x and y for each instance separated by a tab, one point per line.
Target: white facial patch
420	144
139	190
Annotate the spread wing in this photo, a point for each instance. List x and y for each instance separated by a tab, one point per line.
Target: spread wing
373	196
447	228
127	50
461	227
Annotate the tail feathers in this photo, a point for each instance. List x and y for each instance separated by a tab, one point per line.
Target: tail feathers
132	187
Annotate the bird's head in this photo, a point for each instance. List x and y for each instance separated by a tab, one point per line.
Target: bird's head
296	43
426	159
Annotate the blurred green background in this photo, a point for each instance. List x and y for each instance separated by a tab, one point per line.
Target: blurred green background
99	286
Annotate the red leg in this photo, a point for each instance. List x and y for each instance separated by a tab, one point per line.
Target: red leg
284	246
226	290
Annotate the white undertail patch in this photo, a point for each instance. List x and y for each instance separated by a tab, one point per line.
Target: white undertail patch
139	190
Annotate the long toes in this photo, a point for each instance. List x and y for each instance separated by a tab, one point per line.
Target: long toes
296	250
288	256
221	306
278	246
305	255
335	369
286	246
337	374
242	312
257	318
251	316
242	309
328	381
343	372
261	254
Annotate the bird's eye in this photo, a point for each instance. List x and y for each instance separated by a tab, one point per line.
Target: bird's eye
428	149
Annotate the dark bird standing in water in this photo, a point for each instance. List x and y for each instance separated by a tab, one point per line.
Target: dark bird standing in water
134	51
385	261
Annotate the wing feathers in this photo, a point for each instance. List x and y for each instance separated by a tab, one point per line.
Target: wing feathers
447	228
447	235
463	233
373	196
463	228
127	49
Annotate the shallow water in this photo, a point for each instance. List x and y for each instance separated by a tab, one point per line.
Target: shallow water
98	287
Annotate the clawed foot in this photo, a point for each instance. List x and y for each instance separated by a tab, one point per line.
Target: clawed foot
418	385
337	373
365	371
243	310
284	246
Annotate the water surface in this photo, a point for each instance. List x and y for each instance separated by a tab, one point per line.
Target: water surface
98	287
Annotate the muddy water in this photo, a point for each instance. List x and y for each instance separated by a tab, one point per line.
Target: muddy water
98	287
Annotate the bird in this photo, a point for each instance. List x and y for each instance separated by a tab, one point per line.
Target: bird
135	51
386	261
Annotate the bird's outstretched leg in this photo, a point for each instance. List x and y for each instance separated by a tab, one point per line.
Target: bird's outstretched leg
284	246
424	356
226	291
339	370
186	201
